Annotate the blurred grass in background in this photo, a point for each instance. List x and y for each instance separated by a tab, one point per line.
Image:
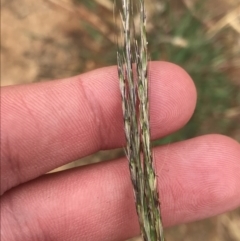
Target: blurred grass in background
50	39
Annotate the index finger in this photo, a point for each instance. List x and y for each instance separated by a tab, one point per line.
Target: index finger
46	125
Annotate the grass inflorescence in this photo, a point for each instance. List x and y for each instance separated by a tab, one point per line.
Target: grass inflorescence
132	58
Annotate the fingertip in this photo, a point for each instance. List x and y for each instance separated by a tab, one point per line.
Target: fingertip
204	179
227	151
173	97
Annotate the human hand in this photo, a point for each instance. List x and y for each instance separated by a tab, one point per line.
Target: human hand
46	125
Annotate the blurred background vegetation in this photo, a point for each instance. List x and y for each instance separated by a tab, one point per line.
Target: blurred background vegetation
50	39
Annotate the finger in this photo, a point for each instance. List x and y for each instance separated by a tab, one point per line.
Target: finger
198	178
46	125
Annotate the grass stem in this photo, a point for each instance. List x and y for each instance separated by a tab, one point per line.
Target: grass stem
133	57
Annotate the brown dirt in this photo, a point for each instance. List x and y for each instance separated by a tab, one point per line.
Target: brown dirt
39	42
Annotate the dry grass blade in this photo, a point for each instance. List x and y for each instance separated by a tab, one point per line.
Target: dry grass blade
230	19
135	105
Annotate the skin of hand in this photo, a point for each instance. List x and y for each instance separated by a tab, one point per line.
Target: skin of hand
46	125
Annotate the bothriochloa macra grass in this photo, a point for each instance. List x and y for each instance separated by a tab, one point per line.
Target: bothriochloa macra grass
132	61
